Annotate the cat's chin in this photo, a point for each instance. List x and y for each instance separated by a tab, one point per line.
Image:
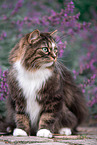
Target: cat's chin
47	65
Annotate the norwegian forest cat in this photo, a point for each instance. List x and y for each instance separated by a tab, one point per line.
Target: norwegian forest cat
43	97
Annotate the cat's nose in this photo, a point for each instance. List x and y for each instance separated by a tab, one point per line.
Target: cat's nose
54	56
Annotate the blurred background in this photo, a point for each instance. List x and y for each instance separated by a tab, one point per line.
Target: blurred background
76	22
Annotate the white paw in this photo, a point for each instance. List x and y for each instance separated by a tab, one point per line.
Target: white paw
44	133
65	131
19	132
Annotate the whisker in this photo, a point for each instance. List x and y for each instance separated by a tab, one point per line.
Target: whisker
62	60
60	69
63	36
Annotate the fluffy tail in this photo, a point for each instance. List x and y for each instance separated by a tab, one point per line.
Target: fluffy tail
79	107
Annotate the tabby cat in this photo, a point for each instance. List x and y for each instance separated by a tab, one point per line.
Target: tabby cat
43	97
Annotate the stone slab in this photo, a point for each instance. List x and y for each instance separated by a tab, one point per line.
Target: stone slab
24	140
50	143
86	136
4	143
81	142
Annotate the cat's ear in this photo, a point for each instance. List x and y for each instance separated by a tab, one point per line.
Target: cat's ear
33	35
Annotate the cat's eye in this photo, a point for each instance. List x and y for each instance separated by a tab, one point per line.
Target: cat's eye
45	49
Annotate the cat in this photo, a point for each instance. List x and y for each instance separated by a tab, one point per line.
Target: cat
43	97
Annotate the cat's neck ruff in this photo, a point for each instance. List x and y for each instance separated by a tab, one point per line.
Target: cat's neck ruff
42	74
31	83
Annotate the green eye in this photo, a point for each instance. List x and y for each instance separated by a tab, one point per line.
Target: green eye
45	49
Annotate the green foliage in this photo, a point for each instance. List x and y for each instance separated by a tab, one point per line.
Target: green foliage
2	108
87	8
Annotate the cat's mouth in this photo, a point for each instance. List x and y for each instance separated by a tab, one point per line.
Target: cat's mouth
46	65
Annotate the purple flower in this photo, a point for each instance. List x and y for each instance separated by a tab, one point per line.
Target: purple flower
17	7
4	6
3	86
3	35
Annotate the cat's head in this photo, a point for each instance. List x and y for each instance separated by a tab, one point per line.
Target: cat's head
35	50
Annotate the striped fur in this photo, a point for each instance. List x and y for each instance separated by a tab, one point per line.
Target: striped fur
43	95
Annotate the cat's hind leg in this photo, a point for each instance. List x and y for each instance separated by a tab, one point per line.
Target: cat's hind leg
68	122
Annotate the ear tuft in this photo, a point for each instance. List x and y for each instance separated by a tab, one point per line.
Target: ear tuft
52	33
33	35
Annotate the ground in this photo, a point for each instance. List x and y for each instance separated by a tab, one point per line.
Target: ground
86	136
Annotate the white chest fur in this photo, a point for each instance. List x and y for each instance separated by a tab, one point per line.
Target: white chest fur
31	83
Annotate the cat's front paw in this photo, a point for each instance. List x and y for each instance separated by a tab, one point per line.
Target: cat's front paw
19	132
65	131
44	133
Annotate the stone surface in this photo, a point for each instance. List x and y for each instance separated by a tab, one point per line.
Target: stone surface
50	143
86	136
25	139
4	143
